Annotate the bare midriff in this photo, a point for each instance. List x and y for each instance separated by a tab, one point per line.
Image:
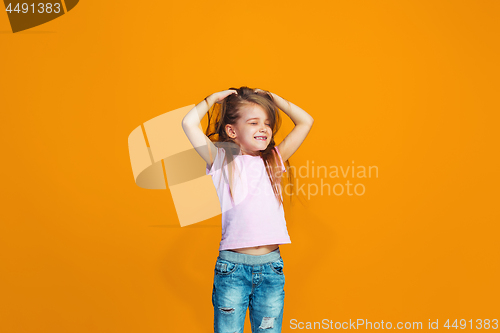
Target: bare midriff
257	250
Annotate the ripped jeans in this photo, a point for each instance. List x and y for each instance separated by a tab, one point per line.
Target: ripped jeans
244	281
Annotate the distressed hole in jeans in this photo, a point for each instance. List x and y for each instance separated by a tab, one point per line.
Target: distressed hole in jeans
267	322
226	310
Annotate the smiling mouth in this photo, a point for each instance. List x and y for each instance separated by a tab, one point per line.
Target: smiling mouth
261	138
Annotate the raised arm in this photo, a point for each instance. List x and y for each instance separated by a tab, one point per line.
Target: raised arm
303	123
191	126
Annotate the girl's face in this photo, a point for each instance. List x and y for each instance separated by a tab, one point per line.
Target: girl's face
252	131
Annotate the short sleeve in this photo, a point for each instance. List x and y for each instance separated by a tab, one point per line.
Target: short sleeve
283	168
217	165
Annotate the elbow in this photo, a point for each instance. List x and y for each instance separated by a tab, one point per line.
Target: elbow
184	123
188	122
311	121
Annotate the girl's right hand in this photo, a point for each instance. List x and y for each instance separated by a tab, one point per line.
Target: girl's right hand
218	97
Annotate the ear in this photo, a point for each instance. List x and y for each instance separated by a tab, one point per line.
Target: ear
230	131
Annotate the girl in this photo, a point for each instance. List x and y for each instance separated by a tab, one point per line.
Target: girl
246	167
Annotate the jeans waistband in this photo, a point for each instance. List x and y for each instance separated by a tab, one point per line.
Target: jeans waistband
249	259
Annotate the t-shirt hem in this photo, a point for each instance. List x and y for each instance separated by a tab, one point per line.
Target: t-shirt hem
239	246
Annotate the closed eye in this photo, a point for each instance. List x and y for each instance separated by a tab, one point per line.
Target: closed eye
256	124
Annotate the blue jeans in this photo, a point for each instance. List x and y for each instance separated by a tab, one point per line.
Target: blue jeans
244	281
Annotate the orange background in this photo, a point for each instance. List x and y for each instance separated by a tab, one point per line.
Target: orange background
409	87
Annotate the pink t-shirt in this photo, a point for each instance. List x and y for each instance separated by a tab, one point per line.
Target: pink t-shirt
256	217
